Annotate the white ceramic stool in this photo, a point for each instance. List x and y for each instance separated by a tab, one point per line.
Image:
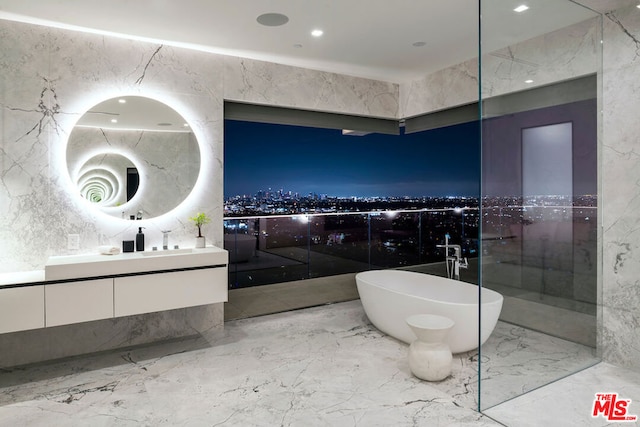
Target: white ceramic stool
429	356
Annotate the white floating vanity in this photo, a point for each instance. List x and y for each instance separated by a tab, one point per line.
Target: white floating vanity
82	288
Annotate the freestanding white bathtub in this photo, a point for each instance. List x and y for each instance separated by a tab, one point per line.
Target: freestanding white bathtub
390	296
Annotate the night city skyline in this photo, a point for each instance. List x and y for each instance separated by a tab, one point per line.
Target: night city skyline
438	163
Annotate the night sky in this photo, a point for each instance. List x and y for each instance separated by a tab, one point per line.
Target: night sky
440	162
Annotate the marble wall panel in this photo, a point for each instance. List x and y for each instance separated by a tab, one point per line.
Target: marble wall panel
50	78
261	82
454	86
620	168
560	55
21	348
604	6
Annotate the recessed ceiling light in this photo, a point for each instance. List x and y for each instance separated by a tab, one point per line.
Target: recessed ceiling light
272	19
521	8
185	125
122	101
317	33
114	120
528	81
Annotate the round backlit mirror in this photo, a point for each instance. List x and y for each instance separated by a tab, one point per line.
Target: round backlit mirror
133	156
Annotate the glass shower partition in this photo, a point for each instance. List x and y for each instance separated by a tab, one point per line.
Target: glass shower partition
539	205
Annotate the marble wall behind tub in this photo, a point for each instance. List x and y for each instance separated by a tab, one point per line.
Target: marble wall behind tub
21	348
620	167
560	55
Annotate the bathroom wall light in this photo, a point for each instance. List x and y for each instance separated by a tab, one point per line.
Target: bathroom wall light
521	8
317	33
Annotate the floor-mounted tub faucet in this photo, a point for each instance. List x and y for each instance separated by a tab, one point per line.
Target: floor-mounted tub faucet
454	261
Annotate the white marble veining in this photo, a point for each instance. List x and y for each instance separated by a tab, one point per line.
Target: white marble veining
102	335
620	171
604	6
53	76
569	401
260	82
554	57
456	85
319	366
561	55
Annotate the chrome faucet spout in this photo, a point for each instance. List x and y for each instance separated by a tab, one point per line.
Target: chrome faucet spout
453	260
165	239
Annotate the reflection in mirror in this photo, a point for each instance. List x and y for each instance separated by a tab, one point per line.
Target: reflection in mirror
104	179
133	154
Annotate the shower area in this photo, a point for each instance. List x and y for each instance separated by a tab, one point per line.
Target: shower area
540	131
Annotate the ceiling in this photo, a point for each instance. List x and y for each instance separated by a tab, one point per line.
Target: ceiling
387	40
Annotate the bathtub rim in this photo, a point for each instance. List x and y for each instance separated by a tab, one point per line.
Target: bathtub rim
499	298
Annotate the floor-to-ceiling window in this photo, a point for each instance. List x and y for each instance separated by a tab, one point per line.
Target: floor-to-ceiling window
305	202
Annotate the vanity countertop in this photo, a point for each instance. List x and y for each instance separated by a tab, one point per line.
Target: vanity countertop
96	265
21	277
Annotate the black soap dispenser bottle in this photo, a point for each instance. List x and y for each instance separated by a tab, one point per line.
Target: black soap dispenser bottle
140	240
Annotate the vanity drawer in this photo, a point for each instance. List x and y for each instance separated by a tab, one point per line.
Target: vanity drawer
21	308
76	302
167	291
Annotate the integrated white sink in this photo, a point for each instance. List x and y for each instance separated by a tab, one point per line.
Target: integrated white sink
96	265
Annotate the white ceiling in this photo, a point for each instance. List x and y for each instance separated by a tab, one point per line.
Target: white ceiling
367	38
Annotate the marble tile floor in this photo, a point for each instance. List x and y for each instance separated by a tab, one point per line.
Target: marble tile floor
323	366
569	401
